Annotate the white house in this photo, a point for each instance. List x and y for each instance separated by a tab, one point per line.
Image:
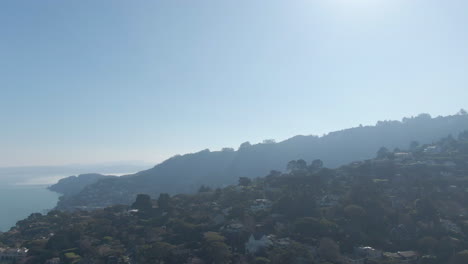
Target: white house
13	253
368	252
433	150
403	156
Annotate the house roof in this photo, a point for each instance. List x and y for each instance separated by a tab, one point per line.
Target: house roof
408	254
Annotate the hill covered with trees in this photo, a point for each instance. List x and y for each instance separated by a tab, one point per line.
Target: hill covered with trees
75	184
404	206
186	173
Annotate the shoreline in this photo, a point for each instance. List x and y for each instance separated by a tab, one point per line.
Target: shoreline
20	201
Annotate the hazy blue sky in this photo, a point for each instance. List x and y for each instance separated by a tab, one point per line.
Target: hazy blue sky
90	81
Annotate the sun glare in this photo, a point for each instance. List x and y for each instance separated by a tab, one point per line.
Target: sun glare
360	9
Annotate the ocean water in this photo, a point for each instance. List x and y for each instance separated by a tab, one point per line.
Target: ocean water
23	190
19	201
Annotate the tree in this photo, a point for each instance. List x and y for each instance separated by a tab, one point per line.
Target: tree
163	251
413	145
245	145
227	150
463	136
447	248
216	251
159	252
427	244
291	165
297	165
204	188
164	201
313	227
383	153
142	202
423	116
462	112
301	164
292	253
244	181
329	250
273	174
316	165
460	258
262	260
71	258
355	212
269	141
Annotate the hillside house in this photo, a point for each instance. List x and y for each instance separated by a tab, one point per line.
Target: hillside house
13	254
403	156
260	205
433	150
328	200
402	256
235	227
367	252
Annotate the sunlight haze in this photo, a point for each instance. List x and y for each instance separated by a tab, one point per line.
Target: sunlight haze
97	81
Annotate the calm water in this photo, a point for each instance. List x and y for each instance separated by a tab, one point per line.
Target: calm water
18	202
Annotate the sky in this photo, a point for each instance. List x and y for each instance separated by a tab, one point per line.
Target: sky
112	80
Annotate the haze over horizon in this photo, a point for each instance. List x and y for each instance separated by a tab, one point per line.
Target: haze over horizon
90	82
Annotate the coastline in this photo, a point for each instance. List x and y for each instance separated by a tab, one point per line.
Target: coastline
18	201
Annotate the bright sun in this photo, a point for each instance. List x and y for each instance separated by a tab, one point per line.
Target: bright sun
357	8
357	3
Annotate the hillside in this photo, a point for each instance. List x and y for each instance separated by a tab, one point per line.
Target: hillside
75	184
401	207
186	173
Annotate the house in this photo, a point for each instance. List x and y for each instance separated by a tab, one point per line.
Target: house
226	211
13	254
131	212
433	150
391	255
408	255
260	205
367	252
280	227
403	156
233	227
257	242
195	260
283	242
53	261
450	226
402	256
328	200
355	261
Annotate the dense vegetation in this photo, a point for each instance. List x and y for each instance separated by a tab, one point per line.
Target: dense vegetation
75	184
184	174
401	207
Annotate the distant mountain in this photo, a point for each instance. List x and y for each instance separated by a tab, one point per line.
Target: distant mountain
46	175
75	184
188	172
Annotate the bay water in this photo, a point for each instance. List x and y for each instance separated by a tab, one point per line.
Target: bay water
19	201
